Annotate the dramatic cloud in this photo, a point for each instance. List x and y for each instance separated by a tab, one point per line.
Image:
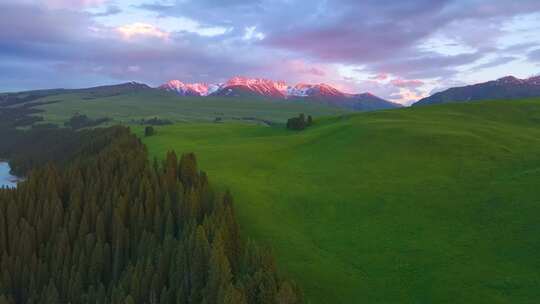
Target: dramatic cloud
397	49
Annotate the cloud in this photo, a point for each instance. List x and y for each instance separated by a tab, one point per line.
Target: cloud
72	4
72	49
138	29
380	77
534	55
395	45
110	11
251	33
301	67
495	62
425	65
134	68
403	83
383	36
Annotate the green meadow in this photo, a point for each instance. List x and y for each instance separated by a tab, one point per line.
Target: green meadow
435	204
128	107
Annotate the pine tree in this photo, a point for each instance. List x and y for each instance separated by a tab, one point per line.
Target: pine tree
233	295
219	275
286	294
198	264
188	170
108	227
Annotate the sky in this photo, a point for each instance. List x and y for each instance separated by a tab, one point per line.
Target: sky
398	50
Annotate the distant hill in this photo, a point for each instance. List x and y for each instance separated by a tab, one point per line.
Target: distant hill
9	99
136	103
269	89
504	88
240	99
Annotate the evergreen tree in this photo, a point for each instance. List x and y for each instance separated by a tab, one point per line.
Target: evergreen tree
109	227
219	275
149	131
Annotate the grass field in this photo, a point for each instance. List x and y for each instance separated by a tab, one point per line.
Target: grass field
125	108
437	204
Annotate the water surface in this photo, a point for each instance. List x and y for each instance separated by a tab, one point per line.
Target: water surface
6	179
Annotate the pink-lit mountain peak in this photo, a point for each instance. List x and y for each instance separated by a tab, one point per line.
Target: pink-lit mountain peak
261	86
240	80
188	89
315	90
257	86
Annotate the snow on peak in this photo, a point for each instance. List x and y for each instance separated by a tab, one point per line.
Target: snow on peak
259	86
320	90
511	80
188	89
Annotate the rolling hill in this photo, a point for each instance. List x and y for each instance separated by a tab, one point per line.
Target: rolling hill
419	205
504	88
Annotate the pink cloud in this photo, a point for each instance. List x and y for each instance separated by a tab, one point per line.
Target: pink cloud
316	72
403	83
380	77
130	31
60	4
301	67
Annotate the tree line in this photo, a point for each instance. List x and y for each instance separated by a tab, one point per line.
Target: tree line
112	227
27	149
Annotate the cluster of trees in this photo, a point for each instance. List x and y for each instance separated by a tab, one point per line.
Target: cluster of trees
18	116
38	146
79	121
112	227
149	131
300	122
154	121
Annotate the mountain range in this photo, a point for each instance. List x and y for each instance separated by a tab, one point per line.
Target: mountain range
258	87
508	87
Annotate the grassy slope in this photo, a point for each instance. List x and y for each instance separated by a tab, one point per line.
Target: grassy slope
148	104
426	205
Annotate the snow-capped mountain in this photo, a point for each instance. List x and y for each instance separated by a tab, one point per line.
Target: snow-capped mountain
189	89
255	86
243	86
315	90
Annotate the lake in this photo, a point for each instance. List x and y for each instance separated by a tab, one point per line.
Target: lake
6	179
